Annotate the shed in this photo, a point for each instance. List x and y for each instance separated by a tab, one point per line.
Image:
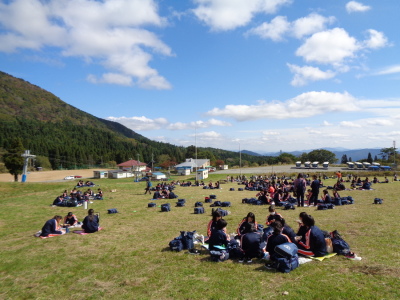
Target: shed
183	170
202	174
158	176
100	174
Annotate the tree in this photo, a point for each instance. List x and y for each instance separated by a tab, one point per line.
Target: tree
190	152
369	159
219	162
322	155
344	159
286	158
13	160
375	158
387	152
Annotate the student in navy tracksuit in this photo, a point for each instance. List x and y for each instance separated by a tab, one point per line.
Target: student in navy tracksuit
219	238
52	227
252	243
275	239
312	242
70	219
91	222
213	222
273	215
315	184
326	197
242	227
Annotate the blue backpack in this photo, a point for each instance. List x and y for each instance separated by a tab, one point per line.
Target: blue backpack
288	259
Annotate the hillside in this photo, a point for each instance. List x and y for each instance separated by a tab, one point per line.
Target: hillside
72	138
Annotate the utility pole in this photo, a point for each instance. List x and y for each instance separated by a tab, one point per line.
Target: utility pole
27	155
137	171
195	145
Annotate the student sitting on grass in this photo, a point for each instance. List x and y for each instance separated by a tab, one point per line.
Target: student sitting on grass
252	243
91	222
212	225
52	227
219	239
242	228
273	215
275	239
312	242
70	220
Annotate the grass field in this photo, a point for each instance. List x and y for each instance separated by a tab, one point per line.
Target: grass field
130	259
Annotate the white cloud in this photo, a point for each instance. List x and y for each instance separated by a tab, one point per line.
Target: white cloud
208	135
311	24
140	123
111	78
108	33
329	47
279	27
337	135
376	39
389	70
269	133
349	124
313	131
380	122
305	105
198	124
354	6
223	15
305	74
273	30
326	123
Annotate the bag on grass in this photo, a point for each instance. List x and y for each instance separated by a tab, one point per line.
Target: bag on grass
187	239
285	265
199	210
339	245
286	249
112	211
151	204
176	245
165	207
197	204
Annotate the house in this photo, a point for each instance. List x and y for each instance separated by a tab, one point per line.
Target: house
223	167
194	164
133	165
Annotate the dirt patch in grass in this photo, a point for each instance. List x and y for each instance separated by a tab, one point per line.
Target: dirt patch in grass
378	270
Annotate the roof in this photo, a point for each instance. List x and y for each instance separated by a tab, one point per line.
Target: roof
131	163
193	163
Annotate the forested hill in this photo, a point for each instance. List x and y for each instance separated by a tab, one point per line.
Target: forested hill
69	137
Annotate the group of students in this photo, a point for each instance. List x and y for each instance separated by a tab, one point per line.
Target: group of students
77	197
255	243
54	227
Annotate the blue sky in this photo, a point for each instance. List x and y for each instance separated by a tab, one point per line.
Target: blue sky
260	75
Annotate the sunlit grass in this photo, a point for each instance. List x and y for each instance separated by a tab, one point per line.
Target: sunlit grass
130	259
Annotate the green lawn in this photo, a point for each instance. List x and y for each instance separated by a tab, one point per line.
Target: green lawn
130	259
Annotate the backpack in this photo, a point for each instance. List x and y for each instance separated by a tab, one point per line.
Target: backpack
199	210
289	206
112	211
226	204
289	259
176	245
322	207
198	204
339	245
151	204
300	187
378	201
165	207
187	239
285	265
